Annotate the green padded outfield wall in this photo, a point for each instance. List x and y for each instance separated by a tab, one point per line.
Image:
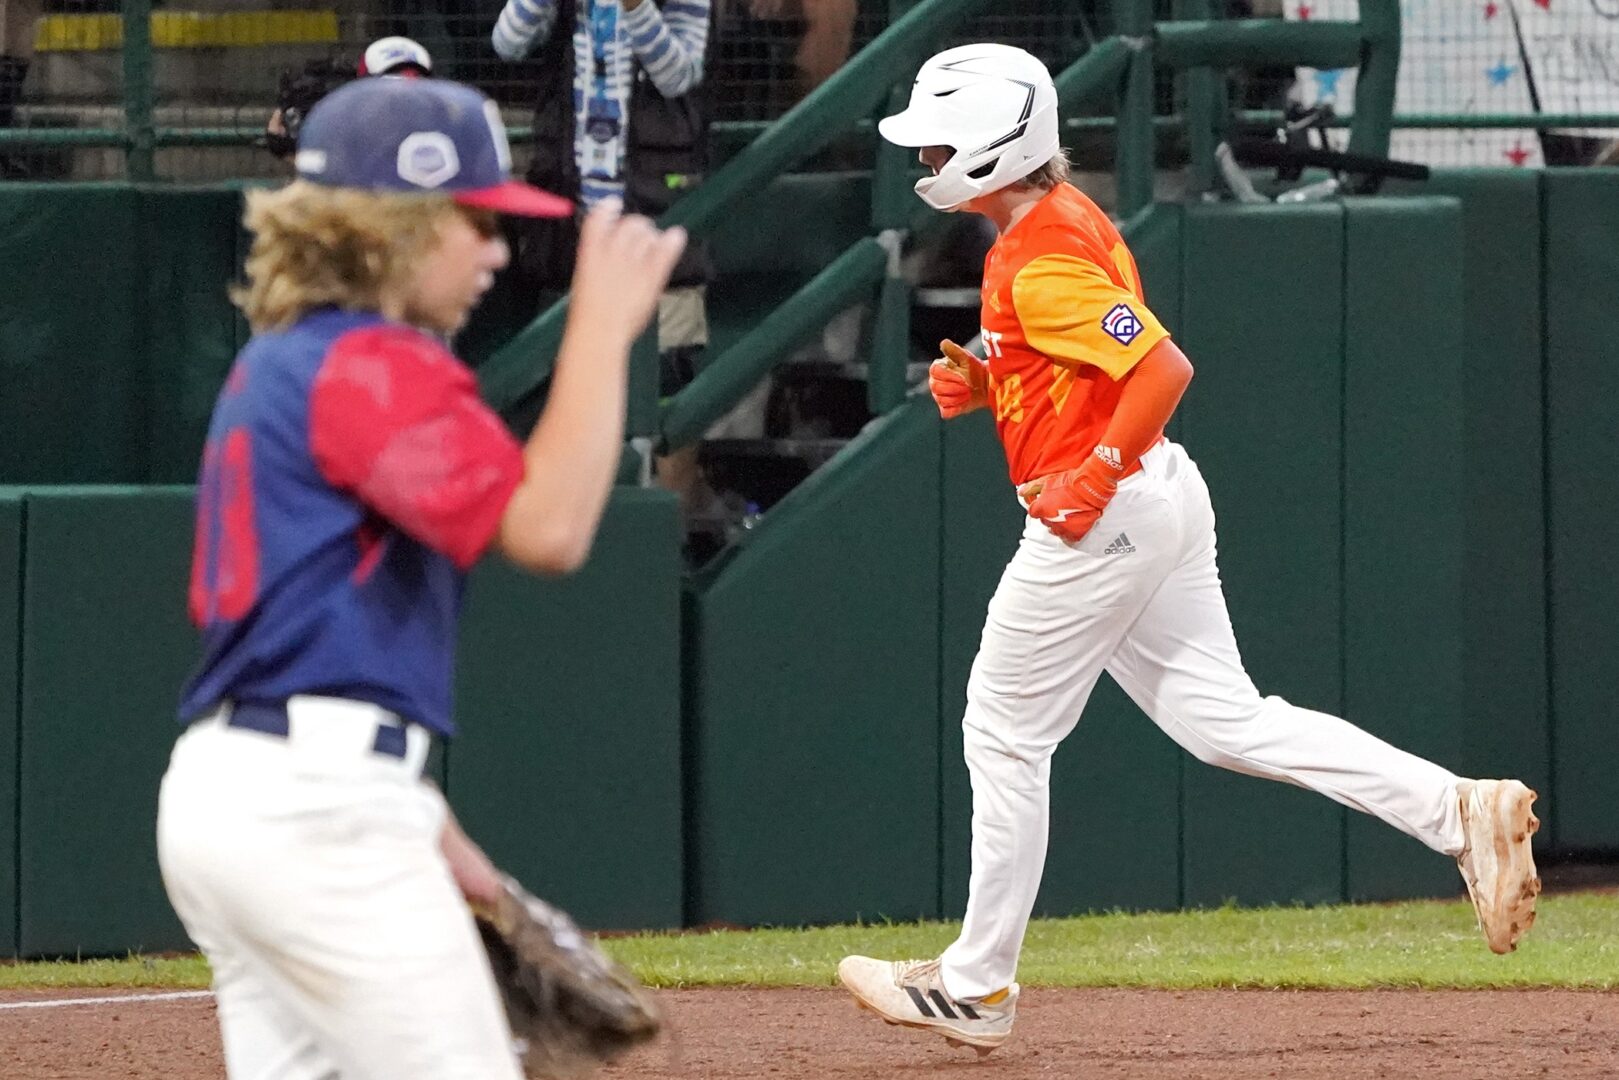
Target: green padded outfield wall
1509	730
1504	605
812	697
1158	243
11	513
119	390
1403	511
1582	383
70	345
569	773
194	247
567	765
1261	304
1308	631
980	521
106	645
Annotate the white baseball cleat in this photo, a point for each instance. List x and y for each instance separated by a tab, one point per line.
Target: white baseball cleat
911	993
1497	863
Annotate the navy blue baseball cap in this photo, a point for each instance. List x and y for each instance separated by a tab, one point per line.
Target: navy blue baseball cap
417	135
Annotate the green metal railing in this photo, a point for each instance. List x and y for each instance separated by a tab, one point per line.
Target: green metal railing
1460	121
139	86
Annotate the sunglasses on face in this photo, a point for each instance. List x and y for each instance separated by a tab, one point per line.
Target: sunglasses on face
485	222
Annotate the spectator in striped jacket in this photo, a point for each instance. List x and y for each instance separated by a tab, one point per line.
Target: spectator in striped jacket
617	48
619	112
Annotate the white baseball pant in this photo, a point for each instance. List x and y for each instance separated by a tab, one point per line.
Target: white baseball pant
1140	598
308	870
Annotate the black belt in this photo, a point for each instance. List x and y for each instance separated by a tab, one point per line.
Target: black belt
270	718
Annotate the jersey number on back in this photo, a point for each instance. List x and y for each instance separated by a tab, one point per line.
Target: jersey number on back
225	562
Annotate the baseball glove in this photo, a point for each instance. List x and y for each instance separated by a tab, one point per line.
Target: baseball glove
570	1006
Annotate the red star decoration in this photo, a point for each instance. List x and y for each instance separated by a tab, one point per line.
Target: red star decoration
1491	10
1518	155
1305	11
1545	5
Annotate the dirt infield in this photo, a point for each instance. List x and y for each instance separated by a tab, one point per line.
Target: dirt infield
1111	1034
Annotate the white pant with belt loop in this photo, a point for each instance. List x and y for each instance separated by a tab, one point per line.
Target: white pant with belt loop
307	869
1140	598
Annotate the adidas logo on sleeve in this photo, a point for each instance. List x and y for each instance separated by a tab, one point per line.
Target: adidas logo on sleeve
1120	546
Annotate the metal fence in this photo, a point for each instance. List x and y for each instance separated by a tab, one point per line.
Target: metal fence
1504	82
1491	82
213	67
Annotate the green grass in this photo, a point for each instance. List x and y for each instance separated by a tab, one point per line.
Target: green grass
1426	944
154	972
1575	944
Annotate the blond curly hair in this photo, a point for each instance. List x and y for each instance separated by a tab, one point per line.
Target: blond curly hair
315	246
1049	175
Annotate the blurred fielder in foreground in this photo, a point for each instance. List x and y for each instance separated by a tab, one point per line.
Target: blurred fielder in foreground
1116	567
351	478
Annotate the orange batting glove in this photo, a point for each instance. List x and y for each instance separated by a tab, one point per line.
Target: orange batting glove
958	381
1071	502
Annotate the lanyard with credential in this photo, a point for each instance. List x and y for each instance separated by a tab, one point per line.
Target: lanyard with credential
604	114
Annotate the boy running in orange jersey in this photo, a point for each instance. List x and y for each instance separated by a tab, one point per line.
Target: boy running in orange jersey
1116	567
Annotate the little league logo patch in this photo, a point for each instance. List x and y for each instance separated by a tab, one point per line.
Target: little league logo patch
1121	324
427	159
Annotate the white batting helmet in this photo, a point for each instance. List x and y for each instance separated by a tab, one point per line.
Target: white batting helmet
994	105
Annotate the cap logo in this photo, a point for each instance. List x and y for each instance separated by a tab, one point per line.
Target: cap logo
497	129
427	159
310	162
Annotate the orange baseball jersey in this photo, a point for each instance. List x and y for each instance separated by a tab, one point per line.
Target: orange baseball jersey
1063	321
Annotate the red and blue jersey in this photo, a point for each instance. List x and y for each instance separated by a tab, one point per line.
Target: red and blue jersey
351	477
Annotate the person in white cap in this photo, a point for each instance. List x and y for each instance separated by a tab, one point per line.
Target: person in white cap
1116	568
395	56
